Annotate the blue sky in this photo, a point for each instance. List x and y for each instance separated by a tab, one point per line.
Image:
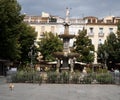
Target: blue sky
79	8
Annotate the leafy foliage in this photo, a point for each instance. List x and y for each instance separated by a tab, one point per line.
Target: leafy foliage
10	20
106	53
27	77
104	78
27	37
50	44
16	36
118	42
112	48
83	46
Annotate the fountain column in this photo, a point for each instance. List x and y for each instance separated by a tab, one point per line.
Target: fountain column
58	65
66	54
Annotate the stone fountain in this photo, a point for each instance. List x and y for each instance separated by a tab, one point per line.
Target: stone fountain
66	55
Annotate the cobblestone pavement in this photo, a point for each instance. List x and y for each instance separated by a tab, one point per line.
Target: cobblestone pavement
59	92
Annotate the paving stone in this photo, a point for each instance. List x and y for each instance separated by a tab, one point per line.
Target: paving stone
60	92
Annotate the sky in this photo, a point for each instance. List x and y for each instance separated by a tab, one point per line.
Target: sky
78	8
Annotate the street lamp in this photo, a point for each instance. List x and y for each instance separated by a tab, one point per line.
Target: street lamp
31	48
33	53
105	56
30	54
92	52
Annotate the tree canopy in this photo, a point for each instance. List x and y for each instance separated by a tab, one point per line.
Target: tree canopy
110	50
83	45
50	44
14	33
26	40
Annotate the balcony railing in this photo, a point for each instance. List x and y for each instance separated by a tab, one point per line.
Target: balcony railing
91	34
101	34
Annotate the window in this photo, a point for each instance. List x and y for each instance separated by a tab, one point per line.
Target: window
94	21
117	20
52	20
109	21
89	21
91	31
100	41
111	30
101	32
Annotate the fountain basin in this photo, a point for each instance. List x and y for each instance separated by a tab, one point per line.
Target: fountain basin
63	55
69	36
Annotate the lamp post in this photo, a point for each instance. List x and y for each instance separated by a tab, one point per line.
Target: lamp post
30	54
31	50
92	52
34	54
105	56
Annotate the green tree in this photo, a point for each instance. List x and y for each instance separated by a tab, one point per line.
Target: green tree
112	47
100	53
10	19
118	40
110	50
26	40
50	44
16	37
83	45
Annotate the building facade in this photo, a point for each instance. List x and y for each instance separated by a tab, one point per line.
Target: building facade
97	29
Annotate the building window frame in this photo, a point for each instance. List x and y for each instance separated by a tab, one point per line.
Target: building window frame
91	33
110	30
101	34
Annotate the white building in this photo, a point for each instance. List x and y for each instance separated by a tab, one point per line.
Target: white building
97	29
54	24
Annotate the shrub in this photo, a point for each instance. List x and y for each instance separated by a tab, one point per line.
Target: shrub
87	79
89	70
24	76
52	77
75	78
104	78
65	77
101	70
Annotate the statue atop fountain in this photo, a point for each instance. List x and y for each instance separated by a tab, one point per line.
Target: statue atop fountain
67	15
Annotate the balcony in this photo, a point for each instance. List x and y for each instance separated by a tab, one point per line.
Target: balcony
91	34
101	34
